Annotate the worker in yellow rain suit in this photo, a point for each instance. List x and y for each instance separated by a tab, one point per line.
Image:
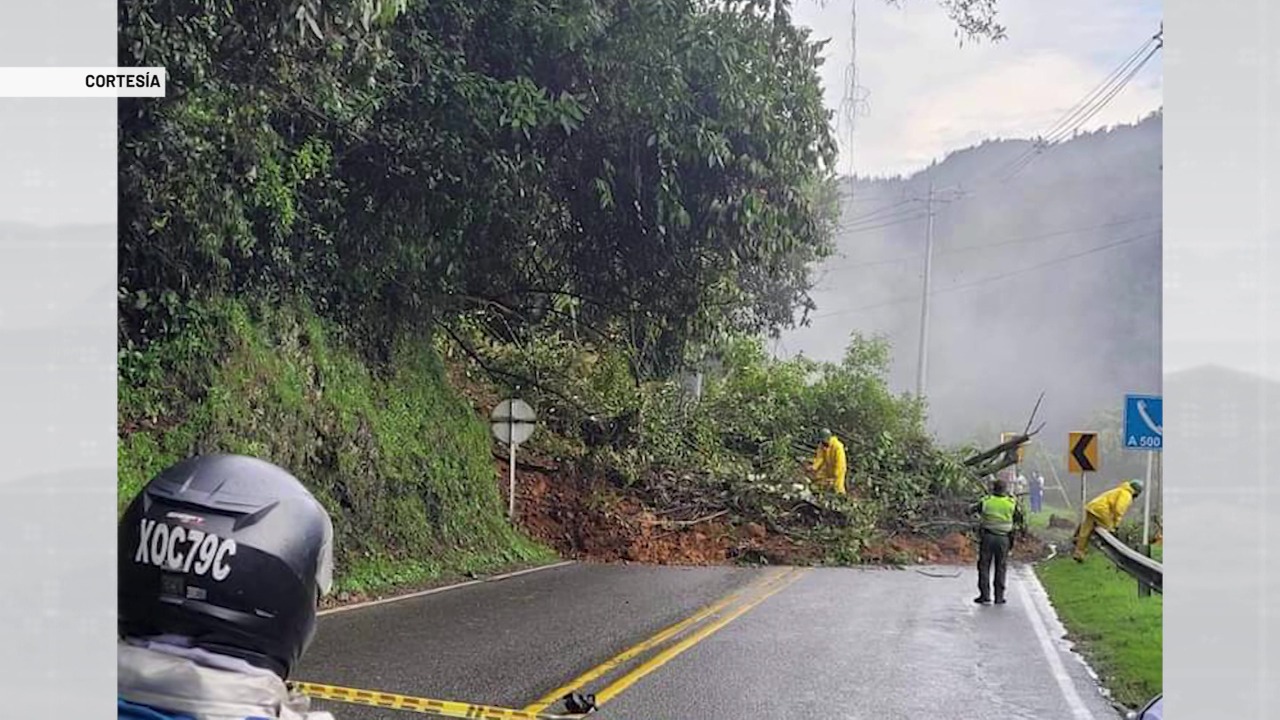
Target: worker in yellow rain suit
829	464
1106	510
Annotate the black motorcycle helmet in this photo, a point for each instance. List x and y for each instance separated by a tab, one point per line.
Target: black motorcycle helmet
229	551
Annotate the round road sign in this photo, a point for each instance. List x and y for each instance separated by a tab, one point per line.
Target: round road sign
513	421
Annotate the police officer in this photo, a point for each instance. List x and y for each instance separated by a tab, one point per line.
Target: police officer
1000	514
223	561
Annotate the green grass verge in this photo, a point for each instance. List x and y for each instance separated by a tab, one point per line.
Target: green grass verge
380	575
1040	520
1119	632
401	461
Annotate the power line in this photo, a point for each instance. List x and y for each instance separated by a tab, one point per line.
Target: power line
1116	90
1065	258
985	246
887	217
878	212
1047	235
853	199
854	102
1092	103
1086	108
1101	87
873	263
908	214
1064	126
1098	107
983	281
889	222
1067	130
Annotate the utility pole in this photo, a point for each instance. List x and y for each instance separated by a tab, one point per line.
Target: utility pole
1146	505
951	194
922	362
1057	481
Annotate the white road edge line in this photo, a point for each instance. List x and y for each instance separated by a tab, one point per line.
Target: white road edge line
433	591
1065	683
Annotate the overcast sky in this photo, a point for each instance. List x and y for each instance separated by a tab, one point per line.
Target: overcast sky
926	95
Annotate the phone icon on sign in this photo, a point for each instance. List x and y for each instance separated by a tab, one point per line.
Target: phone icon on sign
1146	418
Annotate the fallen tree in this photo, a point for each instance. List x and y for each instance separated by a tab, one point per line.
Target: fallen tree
663	465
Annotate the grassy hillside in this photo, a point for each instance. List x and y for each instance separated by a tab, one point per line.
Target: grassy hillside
401	460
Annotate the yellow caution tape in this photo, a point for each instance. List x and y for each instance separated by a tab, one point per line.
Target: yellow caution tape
426	706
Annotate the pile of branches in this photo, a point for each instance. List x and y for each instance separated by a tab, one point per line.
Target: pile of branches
988	463
790	509
942	516
947	514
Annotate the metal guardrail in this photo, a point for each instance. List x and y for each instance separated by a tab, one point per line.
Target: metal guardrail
1144	569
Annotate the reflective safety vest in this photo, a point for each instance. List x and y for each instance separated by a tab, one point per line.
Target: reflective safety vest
997	514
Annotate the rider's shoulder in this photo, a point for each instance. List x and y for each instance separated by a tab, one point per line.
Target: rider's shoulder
134	711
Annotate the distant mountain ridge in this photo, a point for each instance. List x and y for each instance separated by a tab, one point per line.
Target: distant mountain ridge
1050	280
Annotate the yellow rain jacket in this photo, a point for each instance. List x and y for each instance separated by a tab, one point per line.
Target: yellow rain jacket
829	463
1109	507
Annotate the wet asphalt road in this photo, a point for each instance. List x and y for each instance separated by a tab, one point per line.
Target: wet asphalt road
827	643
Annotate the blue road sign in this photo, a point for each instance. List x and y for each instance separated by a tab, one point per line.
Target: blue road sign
1143	422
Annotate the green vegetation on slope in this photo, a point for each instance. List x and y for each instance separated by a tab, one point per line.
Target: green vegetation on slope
738	450
1120	632
401	461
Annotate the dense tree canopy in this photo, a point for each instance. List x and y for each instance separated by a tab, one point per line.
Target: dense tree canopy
651	172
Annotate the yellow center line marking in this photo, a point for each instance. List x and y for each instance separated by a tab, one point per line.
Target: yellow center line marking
605	667
425	706
703	633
